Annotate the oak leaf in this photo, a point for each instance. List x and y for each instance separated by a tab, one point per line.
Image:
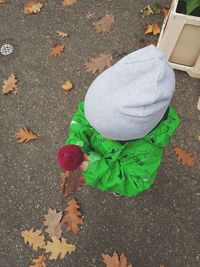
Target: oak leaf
35	239
24	135
99	63
10	85
57	49
71	181
165	11
62	34
115	260
58	248
39	262
32	6
152	28
185	157
73	217
90	15
104	24
53	222
67	86
68	2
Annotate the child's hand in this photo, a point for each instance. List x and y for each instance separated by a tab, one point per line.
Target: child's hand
85	163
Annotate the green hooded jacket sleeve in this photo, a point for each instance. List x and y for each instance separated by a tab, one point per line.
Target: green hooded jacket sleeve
79	130
125	169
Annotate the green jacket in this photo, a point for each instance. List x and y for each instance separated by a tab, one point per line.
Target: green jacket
126	169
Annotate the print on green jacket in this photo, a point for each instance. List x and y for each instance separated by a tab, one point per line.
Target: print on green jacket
127	169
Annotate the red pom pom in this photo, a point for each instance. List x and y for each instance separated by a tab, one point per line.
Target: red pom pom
70	157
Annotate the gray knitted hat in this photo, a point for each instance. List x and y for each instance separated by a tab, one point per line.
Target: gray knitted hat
129	99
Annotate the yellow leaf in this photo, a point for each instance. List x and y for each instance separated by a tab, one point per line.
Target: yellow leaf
67	86
35	239
24	135
68	2
146	11
32	6
39	262
58	248
153	28
10	85
62	34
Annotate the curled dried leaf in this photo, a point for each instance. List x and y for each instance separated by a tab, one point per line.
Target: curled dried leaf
90	15
153	28
62	34
32	7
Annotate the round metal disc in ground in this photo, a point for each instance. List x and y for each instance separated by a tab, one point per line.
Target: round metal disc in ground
6	49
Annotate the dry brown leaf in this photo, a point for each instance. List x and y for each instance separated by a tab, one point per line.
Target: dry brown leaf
198	138
68	2
39	262
99	63
165	11
73	217
3	1
90	15
10	85
115	260
32	6
62	34
58	248
35	239
104	24
185	157
152	28
53	222
71	181
57	50
67	86
24	135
